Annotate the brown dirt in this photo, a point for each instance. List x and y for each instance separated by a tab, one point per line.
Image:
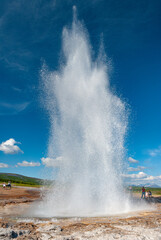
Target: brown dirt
143	225
19	193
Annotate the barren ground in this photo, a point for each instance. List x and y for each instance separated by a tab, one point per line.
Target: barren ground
13	204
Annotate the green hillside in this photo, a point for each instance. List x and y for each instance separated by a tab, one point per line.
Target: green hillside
20	179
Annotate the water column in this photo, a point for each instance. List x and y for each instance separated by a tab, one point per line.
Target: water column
88	124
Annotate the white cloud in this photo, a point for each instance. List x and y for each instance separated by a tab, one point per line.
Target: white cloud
132	160
3	165
52	162
28	164
153	178
155	152
139	168
142	178
139	175
10	147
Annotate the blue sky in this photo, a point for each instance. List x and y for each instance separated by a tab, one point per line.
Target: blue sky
30	33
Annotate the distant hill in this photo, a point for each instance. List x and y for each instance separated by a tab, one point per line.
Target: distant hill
20	179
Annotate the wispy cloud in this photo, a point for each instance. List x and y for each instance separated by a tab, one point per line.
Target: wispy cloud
142	178
14	64
16	89
11	109
139	175
3	165
155	152
28	164
153	178
132	169
16	51
52	162
10	147
132	160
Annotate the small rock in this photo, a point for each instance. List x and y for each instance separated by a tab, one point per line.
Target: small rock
50	228
3	232
13	235
20	233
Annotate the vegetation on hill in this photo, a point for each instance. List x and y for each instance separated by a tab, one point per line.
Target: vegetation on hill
20	179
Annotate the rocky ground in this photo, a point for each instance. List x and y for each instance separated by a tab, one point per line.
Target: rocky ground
13	204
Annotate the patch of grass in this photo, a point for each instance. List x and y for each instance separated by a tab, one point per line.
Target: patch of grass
155	191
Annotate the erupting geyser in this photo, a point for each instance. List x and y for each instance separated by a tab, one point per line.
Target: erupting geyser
88	127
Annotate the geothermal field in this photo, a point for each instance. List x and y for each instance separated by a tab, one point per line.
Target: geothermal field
14	222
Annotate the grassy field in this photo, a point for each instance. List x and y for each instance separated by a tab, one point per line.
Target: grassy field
155	191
